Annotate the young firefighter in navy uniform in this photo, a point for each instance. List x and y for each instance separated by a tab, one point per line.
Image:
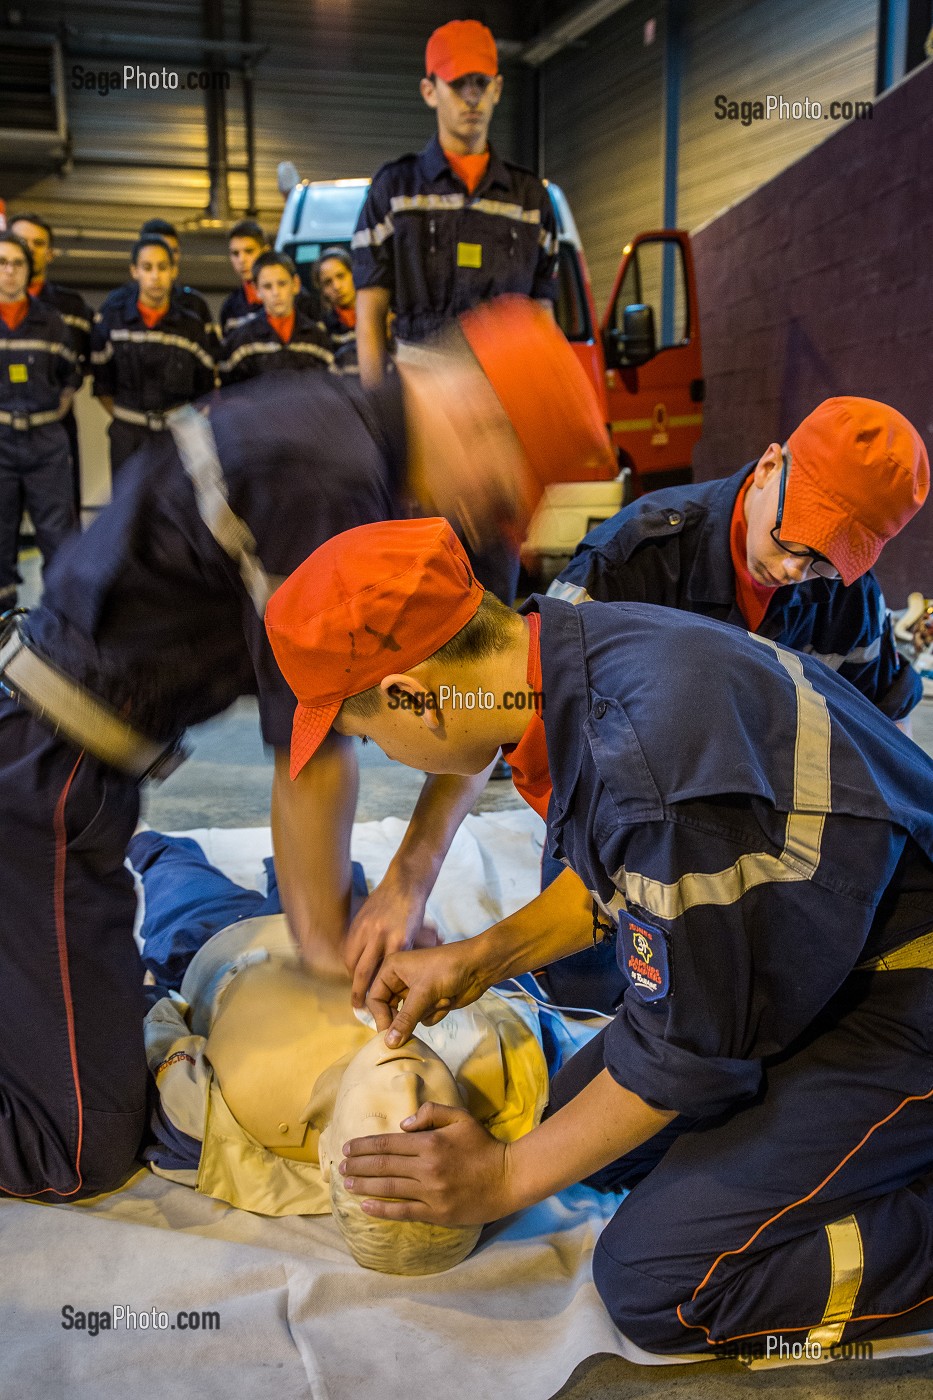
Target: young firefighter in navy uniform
278	337
72	308
758	844
334	278
451	227
38	377
183	296
246	241
152	620
149	356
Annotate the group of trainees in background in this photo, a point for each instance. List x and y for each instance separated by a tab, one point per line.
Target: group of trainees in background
152	348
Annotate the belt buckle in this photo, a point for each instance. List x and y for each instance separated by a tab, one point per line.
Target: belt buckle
167	763
20	421
155	422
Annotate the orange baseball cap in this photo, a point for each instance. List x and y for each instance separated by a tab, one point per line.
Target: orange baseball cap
544	391
460	47
373	600
858	472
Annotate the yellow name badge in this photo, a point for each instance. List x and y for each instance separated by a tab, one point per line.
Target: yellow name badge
19	374
469	254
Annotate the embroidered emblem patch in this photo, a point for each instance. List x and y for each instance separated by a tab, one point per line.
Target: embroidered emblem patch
643	957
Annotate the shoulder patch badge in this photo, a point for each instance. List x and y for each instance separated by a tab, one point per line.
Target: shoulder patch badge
643	956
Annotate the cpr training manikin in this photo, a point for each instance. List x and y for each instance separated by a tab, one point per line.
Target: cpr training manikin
271	1072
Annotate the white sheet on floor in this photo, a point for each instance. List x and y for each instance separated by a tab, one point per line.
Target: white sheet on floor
298	1320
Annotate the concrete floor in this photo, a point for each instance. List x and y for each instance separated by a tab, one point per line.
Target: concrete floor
226	782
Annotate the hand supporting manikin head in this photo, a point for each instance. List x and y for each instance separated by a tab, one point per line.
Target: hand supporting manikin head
370	1092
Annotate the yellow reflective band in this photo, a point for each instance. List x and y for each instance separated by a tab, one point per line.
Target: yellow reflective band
803	833
685	420
847	1262
916	954
644	425
469	254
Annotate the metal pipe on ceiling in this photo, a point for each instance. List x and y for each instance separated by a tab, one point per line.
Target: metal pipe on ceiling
567	30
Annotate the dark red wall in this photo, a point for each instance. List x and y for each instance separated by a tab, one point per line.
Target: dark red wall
821	283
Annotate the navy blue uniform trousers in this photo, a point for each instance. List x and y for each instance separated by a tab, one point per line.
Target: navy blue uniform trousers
35	475
723	1238
72	1069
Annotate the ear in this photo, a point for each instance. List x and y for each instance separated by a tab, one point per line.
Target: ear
410	685
497	89
768	463
428	91
296	284
134	272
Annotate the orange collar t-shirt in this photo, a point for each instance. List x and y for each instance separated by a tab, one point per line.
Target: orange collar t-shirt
347	314
469	169
150	315
14	312
35	286
752	597
252	296
283	326
530	772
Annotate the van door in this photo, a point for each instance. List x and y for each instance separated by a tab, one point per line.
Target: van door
654	371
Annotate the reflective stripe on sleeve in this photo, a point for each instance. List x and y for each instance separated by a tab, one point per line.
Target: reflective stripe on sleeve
569	592
375	236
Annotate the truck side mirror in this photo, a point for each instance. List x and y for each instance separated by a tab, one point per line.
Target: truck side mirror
635	344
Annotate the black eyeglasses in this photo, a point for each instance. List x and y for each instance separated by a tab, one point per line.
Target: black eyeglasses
817	563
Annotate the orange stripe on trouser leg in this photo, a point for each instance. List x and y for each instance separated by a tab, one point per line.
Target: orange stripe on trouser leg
58	892
764	1331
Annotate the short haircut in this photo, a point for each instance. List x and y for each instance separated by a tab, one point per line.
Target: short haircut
409	1247
36	219
248	228
487	632
161	228
273	259
150	240
23	247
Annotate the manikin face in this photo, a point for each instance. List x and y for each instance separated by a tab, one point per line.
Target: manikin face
277	291
243	253
381	1087
14	272
464	109
337	283
38	242
154	273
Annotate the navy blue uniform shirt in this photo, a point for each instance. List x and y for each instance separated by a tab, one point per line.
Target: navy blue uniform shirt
343	342
150	371
737	808
672	547
439	250
147	610
255	348
75	313
37	361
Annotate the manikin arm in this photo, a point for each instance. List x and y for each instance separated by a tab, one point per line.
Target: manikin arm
312	821
392	916
372	309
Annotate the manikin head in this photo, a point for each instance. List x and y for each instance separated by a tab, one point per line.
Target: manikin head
847	480
373	1093
271	1047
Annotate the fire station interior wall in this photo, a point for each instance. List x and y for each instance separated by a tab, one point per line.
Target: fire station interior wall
336	93
603	109
821	283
